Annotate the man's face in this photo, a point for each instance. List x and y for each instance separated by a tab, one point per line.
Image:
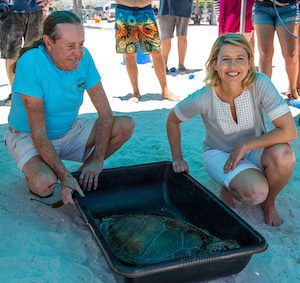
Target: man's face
67	50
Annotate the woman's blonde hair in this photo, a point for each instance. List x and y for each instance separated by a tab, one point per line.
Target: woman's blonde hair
212	77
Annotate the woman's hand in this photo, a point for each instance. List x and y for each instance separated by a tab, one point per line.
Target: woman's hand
235	157
180	166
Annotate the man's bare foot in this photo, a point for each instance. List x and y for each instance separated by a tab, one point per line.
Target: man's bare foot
170	96
272	217
226	197
135	97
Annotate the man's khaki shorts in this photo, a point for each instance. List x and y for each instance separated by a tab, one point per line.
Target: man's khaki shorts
70	146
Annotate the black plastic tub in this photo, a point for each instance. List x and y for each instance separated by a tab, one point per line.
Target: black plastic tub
155	189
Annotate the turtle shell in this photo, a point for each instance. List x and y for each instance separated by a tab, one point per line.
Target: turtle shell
147	239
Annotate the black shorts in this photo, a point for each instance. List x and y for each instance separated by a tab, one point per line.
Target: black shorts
18	30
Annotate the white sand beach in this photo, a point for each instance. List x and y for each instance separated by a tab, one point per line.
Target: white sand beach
42	244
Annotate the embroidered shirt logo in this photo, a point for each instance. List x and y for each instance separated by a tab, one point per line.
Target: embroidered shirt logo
80	85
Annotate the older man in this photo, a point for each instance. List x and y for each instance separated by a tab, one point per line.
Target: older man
136	24
48	90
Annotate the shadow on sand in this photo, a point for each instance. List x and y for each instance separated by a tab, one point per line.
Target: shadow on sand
144	97
188	71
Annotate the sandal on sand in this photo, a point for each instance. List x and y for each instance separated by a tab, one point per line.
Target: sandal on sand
47	196
54	204
182	70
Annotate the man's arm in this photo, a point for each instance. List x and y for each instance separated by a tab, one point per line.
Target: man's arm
135	3
101	137
36	118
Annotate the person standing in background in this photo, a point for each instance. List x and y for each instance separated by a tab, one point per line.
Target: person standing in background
281	16
136	25
174	14
20	27
229	19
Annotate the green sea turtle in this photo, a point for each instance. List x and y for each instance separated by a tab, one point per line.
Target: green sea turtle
147	239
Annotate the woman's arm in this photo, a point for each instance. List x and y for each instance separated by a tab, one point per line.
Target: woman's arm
36	118
174	136
284	132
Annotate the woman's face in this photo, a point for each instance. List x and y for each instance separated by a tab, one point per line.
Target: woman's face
67	51
232	64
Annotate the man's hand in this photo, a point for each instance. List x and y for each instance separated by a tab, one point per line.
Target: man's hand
90	174
180	166
4	8
68	185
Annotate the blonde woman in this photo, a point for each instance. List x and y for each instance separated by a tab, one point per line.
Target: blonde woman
252	165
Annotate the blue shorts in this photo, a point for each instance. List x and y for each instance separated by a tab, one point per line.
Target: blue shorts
266	15
214	161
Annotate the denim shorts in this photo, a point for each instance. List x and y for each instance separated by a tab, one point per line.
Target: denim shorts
266	15
214	161
70	146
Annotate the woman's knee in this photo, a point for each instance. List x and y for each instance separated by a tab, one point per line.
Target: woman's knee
290	55
279	156
250	187
266	53
255	195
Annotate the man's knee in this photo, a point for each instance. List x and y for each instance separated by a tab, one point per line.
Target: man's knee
130	57
124	127
42	183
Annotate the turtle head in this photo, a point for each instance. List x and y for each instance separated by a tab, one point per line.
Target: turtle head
221	246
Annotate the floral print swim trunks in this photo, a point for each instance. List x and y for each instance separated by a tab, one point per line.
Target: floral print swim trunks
136	26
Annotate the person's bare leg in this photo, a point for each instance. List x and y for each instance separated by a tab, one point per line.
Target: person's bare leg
10	74
249	187
165	49
160	71
289	49
250	37
40	177
182	47
265	43
132	70
121	132
278	162
227	197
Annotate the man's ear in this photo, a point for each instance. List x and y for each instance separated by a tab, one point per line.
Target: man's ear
48	42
